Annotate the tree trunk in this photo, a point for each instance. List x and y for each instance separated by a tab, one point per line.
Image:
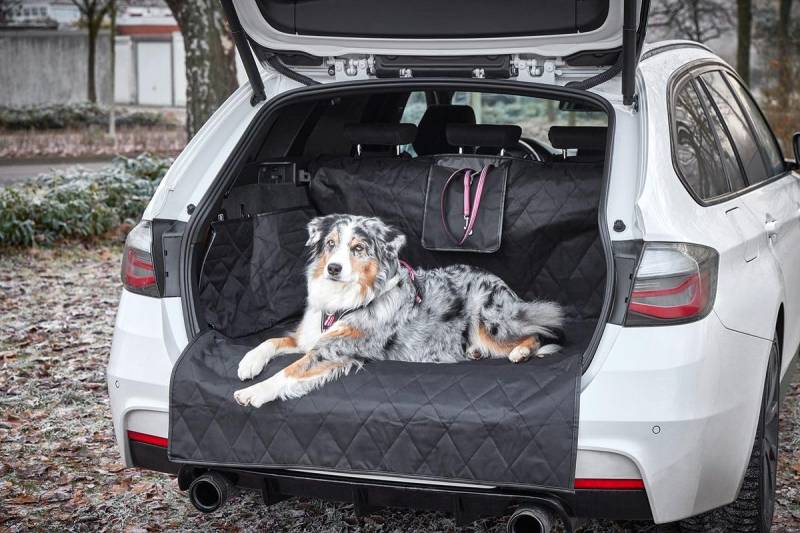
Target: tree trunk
785	85
745	34
210	58
91	89
112	42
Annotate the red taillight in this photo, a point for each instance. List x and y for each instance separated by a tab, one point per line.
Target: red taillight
147	439
138	270
674	283
609	484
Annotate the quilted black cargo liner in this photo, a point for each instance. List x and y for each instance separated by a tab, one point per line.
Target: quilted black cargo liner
253	273
550	248
487	421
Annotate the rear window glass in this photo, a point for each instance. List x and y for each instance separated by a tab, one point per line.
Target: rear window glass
734	117
534	115
763	132
729	159
696	151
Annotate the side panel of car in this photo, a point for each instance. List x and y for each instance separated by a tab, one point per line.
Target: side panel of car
750	288
749	291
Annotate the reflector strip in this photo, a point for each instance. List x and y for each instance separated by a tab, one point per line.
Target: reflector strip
609	484
147	439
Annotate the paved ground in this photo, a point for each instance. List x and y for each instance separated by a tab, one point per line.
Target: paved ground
15	171
59	466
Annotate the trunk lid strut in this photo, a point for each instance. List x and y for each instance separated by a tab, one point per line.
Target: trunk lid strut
245	52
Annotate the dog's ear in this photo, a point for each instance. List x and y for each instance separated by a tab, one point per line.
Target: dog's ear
394	240
319	227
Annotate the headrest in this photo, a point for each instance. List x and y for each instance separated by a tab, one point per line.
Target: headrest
431	136
483	135
591	138
380	134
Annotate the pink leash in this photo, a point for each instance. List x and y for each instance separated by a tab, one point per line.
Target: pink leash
471	206
413	277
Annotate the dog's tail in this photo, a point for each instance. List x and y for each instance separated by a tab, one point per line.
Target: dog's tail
543	319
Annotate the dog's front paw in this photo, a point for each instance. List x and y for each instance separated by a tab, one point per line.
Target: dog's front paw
252	363
519	354
256	395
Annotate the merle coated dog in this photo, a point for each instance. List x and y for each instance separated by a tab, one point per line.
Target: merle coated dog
366	304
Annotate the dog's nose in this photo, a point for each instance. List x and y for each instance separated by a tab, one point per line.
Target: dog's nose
334	269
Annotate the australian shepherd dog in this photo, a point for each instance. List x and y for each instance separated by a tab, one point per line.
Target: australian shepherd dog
365	304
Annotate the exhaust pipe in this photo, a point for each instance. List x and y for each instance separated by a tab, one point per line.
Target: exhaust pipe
531	520
209	491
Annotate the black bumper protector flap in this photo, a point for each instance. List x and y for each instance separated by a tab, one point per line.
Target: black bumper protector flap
485	421
489	422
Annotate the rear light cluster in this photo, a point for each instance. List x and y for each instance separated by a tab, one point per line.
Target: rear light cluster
674	283
138	270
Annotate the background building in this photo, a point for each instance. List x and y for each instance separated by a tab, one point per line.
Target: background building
149	68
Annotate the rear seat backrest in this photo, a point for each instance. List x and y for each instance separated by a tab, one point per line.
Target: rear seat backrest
550	246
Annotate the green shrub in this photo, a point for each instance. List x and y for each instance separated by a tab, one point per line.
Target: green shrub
61	116
78	203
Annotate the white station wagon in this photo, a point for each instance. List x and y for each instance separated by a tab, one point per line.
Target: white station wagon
638	186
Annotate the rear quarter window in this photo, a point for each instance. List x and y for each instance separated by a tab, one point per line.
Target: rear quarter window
734	117
764	135
697	156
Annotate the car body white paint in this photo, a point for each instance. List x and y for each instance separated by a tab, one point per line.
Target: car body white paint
676	405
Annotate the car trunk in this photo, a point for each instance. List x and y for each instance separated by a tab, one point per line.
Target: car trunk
490	421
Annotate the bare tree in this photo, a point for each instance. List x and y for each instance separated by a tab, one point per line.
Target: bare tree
744	9
7	8
697	20
785	75
92	12
112	43
210	58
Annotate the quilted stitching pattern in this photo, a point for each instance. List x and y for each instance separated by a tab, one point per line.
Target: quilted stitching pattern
486	421
252	276
550	246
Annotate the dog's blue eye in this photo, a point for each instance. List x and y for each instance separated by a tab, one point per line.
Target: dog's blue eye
358	248
330	244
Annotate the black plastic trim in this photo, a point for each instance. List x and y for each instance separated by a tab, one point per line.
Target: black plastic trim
660	49
466	504
495	67
627	255
151	457
425	20
594	58
166	250
692	71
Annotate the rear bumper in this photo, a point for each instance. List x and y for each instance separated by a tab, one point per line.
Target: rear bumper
466	504
674	406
